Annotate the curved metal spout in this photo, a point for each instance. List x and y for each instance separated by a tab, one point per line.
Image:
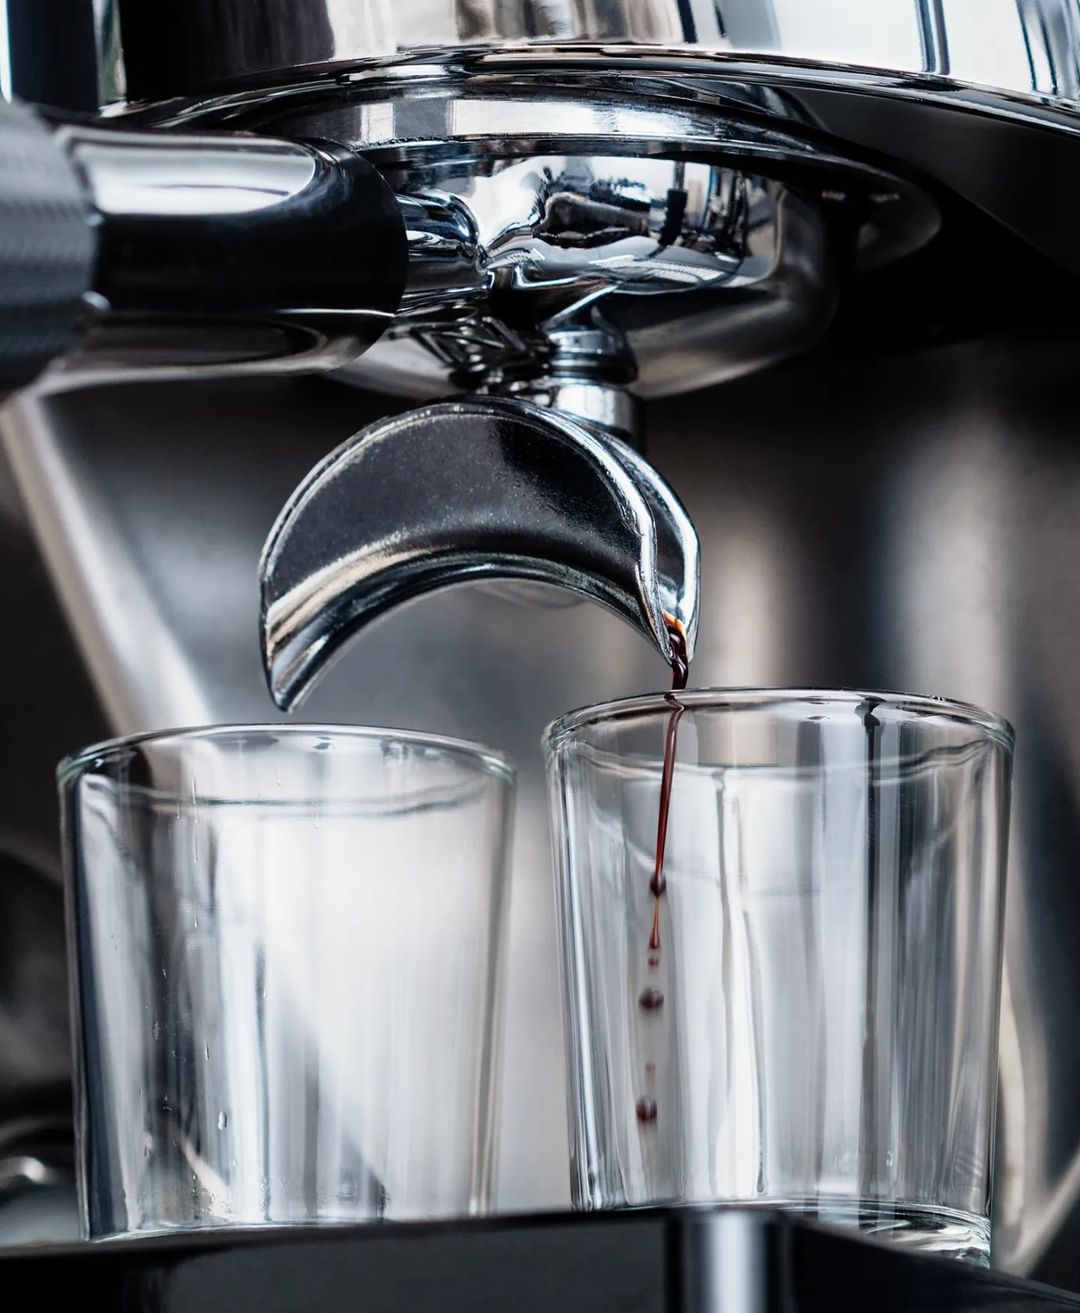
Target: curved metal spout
482	488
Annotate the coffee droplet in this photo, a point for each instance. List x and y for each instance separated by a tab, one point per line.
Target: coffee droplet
646	1109
651	998
654	960
658	884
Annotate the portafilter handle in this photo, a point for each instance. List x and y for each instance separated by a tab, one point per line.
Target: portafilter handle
465	490
133	253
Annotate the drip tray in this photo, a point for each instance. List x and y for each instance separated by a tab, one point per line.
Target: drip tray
722	1260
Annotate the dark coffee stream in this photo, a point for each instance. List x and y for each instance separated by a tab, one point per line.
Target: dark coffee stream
651	998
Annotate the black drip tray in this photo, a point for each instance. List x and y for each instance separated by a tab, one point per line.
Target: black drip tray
719	1260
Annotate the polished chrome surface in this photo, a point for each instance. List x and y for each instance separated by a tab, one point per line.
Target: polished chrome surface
899	519
606	407
624	233
231	253
1022	45
660	274
463	491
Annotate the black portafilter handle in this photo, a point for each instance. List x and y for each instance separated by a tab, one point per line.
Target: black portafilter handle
126	252
47	247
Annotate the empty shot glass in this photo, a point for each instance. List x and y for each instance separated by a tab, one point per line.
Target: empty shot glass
285	946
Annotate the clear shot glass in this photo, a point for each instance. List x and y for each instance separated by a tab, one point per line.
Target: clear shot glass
285	946
815	1024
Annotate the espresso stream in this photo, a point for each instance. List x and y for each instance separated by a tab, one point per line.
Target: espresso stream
651	998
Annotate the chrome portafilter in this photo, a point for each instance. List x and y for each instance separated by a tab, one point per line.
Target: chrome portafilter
555	282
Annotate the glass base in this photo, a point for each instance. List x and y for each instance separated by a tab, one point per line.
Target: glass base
944	1231
947	1232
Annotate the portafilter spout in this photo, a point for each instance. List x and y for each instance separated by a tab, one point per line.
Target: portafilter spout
472	489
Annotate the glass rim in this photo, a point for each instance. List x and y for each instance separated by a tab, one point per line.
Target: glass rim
916	705
95	755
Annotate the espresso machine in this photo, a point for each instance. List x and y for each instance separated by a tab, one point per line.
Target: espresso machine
786	284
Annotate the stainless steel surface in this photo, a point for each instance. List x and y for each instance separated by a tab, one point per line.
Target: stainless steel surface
605	407
1022	45
483	488
35	1154
661	274
238	253
902	521
37	1177
33	1007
